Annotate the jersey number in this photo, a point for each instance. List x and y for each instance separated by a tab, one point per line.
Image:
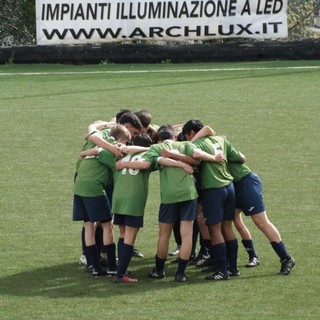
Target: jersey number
130	157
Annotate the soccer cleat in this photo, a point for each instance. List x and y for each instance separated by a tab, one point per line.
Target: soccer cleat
198	258
204	261
112	271
180	278
88	268
286	266
83	260
154	273
175	251
234	272
98	273
253	262
217	276
137	253
125	279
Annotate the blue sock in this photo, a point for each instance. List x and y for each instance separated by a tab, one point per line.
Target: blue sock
219	253
99	238
280	250
83	243
232	253
119	246
124	259
93	255
110	250
182	266
160	263
248	245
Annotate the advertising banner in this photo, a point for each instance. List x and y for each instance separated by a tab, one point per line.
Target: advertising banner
103	21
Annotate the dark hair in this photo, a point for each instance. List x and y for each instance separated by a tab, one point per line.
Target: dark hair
165	132
121	113
144	116
195	125
181	137
130	117
142	140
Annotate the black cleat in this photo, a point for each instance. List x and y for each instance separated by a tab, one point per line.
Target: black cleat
217	276
286	266
154	273
180	278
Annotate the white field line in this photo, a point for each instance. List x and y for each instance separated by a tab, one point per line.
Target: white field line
7	74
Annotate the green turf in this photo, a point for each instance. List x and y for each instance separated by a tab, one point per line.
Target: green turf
269	110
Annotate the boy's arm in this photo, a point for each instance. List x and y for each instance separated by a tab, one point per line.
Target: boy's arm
133	149
97	139
204	132
137	164
167	162
90	152
99	125
204	156
180	157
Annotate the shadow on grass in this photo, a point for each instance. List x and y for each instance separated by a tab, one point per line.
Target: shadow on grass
70	280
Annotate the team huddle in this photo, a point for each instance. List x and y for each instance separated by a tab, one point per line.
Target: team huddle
205	186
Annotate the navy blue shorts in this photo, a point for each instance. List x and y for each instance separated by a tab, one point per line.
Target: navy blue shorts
185	210
91	209
249	195
219	204
130	221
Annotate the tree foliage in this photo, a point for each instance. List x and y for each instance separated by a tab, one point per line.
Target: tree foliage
302	18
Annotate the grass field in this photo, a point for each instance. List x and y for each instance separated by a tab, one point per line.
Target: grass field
269	110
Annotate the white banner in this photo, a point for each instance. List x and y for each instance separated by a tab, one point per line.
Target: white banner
90	21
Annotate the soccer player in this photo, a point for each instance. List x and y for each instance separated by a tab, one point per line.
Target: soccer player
91	203
218	200
249	200
129	199
238	221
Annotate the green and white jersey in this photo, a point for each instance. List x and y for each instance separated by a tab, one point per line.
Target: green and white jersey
176	185
130	190
93	174
216	175
238	170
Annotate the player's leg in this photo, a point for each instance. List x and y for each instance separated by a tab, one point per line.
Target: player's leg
271	232
126	254
91	248
186	232
109	246
246	239
205	242
165	230
231	247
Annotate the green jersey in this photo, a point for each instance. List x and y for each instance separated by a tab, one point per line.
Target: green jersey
105	134
176	185
238	170
93	174
130	189
88	145
216	175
